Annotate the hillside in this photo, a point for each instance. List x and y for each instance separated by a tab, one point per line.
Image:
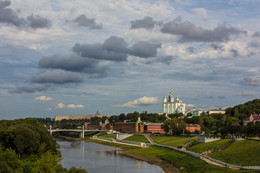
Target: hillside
242	111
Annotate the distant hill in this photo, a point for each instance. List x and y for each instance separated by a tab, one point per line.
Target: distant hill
244	110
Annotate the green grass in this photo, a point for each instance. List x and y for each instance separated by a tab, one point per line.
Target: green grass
137	138
245	153
182	161
171	140
104	134
113	144
214	145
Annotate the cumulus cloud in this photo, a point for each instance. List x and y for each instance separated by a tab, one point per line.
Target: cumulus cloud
201	11
73	63
191	32
143	101
8	15
72	106
190	106
83	21
11	17
43	98
57	77
251	81
30	88
146	23
36	21
144	49
115	49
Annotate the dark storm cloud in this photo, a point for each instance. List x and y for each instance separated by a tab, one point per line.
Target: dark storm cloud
97	51
38	22
191	32
30	88
146	23
250	82
57	77
74	63
115	49
115	44
144	49
9	16
83	21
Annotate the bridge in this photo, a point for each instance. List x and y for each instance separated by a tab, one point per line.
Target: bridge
81	131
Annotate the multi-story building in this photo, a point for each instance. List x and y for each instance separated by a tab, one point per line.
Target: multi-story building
171	105
154	128
61	117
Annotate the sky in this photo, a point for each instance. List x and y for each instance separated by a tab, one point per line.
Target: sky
117	56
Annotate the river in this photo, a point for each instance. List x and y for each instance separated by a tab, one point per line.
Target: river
98	158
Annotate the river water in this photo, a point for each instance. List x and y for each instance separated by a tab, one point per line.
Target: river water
98	158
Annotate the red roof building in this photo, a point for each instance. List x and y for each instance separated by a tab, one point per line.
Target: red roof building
153	128
192	127
251	118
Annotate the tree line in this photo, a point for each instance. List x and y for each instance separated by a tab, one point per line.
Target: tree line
26	146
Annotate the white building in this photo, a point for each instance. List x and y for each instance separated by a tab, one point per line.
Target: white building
171	105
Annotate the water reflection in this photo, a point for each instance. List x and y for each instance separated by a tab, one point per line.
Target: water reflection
98	158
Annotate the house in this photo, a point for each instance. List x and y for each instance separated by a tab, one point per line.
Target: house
251	118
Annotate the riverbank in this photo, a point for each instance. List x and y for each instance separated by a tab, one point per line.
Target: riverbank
170	161
168	168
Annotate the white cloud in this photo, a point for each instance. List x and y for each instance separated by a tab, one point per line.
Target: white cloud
43	98
49	109
72	106
60	106
143	101
201	11
190	105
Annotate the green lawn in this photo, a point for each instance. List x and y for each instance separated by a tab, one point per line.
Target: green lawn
214	145
171	140
182	161
245	153
137	138
104	134
113	144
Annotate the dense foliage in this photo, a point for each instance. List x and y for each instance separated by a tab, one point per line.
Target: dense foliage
26	146
244	110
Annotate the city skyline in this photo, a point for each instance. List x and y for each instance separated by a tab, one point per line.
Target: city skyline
74	58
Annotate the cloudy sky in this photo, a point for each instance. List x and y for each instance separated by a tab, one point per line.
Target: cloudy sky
76	57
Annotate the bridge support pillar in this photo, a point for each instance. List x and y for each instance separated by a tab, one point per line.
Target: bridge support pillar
83	132
50	130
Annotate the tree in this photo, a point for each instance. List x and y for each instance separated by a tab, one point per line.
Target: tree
174	126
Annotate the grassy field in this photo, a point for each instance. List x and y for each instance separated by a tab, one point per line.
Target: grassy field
104	134
215	146
171	140
137	138
113	144
182	161
245	153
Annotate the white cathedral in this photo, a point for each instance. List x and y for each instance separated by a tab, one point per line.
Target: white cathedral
172	105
